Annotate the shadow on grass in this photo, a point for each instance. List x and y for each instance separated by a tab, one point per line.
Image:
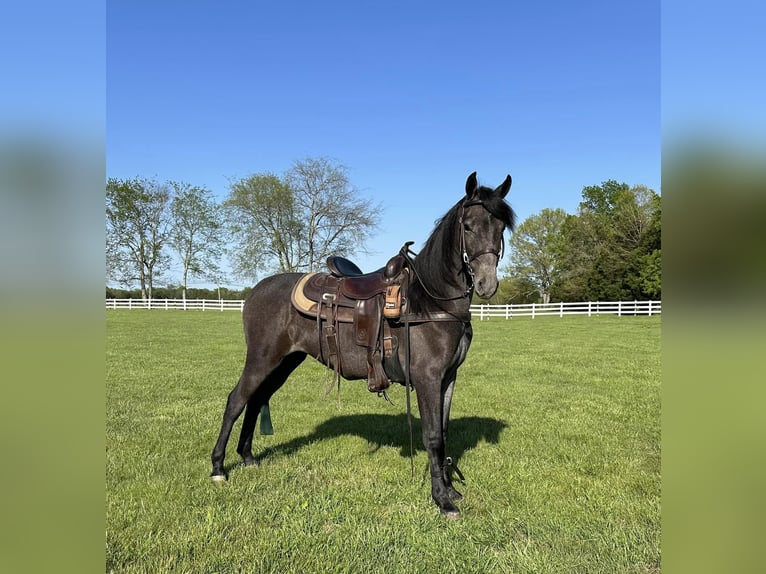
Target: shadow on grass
391	430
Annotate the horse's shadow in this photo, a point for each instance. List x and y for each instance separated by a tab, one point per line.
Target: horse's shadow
382	430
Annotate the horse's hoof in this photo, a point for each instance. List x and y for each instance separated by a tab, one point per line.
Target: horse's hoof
218	478
451	514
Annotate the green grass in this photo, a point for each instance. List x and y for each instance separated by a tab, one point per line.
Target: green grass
556	423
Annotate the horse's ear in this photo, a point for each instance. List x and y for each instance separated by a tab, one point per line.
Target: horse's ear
504	187
471	185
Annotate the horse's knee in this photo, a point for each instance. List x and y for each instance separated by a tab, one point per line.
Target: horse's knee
432	438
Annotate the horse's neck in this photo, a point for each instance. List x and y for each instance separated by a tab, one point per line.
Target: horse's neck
452	287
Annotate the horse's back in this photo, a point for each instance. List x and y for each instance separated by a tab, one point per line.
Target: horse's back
268	305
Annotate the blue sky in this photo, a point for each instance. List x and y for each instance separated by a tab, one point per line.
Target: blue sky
411	97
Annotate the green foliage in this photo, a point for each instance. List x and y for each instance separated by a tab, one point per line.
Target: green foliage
264	223
294	222
176	292
555	423
650	274
612	247
137	229
196	232
536	251
512	290
604	199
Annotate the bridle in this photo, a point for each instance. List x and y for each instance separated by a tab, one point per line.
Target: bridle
467	269
467	260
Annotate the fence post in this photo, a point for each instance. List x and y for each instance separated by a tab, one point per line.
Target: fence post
507	311
203	304
619	308
561	312
650	307
533	310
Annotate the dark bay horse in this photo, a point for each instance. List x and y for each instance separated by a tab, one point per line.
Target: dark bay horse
460	257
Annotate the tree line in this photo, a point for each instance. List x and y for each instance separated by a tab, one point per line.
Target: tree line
609	250
267	223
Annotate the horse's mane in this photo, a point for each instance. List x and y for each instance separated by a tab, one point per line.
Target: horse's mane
436	263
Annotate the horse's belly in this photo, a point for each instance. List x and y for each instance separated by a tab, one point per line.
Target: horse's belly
353	357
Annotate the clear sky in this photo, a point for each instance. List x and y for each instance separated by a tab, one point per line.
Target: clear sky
410	96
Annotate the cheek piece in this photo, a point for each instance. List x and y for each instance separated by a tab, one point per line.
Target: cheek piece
466	259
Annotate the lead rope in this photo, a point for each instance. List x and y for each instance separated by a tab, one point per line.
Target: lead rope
407	381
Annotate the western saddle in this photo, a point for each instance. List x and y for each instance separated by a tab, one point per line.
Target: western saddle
346	295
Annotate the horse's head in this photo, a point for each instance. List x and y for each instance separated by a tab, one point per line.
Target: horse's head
484	217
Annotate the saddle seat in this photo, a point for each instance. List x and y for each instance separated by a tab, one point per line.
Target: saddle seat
346	295
342	267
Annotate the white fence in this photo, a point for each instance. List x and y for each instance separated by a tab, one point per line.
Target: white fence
184	304
619	308
481	312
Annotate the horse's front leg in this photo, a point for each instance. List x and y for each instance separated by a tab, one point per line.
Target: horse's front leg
446	404
430	405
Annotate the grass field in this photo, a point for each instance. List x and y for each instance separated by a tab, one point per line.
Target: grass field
555	424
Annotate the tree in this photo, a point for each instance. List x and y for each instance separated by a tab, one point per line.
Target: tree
264	223
137	228
295	222
196	232
608	244
335	219
536	251
511	290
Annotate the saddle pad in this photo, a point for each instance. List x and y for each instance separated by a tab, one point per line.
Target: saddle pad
310	288
299	300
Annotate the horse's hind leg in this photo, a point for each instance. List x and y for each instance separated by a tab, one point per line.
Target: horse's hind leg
270	385
244	448
238	398
258	367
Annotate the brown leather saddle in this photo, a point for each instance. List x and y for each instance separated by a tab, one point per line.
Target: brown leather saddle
346	295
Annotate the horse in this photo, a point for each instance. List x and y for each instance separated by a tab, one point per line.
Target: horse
458	259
